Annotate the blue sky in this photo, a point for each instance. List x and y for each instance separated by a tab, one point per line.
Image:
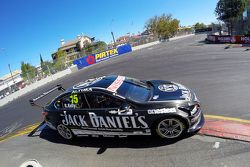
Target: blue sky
31	27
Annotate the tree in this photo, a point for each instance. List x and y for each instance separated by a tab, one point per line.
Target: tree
229	11
88	49
61	54
29	72
247	32
174	25
199	26
100	46
47	67
61	58
95	47
163	26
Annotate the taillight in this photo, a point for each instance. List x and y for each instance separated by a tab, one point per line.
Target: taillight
44	113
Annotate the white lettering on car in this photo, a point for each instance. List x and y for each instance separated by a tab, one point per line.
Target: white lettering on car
82	90
162	111
76	122
126	122
82	121
141	119
65	120
105	122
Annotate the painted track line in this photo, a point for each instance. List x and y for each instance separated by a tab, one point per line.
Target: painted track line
20	132
30	128
227	118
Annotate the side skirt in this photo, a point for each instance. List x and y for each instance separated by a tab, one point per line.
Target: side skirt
80	132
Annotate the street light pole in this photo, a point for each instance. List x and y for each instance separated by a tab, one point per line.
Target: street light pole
12	76
112	33
113	37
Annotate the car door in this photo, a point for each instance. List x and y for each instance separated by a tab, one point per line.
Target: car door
73	112
112	115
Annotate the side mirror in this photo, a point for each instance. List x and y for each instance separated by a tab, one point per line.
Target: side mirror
125	110
125	107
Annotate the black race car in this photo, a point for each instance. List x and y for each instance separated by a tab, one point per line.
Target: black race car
118	105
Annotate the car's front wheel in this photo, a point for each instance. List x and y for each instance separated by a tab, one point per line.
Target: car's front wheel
170	128
65	132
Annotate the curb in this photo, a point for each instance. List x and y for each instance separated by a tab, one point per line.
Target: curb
226	127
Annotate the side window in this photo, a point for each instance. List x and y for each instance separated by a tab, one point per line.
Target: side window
100	100
72	101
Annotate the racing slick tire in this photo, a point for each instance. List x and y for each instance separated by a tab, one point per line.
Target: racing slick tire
65	132
169	128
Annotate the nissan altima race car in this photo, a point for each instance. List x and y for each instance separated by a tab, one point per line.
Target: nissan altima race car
122	106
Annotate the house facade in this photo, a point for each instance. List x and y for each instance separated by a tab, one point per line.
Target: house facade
10	83
72	48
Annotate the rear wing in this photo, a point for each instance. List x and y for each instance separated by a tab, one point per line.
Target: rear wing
34	100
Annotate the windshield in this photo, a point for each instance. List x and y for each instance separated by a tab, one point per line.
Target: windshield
137	82
135	90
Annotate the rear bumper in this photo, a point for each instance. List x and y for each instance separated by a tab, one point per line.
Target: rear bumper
50	125
198	125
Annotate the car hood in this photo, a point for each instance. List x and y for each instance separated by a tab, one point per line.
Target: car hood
167	90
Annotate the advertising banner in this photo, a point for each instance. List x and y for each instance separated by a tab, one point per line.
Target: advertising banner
244	39
98	57
224	39
237	39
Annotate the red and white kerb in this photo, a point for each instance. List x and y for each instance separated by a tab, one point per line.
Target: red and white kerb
116	84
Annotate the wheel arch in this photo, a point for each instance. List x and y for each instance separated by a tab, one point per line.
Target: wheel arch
181	118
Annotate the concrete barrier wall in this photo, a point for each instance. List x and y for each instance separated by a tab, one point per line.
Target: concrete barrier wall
34	86
157	42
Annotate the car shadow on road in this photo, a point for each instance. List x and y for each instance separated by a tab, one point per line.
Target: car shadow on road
103	143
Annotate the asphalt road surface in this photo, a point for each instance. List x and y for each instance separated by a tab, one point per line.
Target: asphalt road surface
52	151
219	76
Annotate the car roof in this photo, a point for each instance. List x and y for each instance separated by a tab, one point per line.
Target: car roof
109	83
101	82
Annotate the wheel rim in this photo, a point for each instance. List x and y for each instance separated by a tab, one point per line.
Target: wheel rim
170	128
64	131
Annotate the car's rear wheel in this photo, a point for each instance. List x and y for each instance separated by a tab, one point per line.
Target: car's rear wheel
65	132
170	128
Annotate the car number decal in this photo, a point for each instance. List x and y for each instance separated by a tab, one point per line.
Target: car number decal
74	99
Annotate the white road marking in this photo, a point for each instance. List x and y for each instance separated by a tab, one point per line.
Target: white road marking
216	145
31	162
10	129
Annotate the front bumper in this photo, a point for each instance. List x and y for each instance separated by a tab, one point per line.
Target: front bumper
198	125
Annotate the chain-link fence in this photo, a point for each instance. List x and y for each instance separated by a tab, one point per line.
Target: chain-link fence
144	39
